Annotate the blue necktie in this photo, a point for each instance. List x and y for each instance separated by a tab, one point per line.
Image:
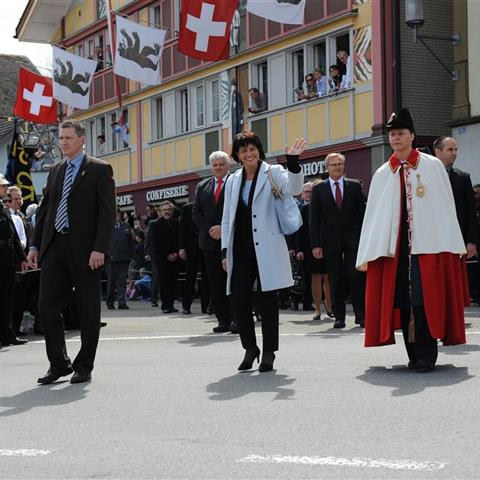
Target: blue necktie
61	219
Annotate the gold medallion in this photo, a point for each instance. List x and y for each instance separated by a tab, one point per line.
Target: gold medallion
420	187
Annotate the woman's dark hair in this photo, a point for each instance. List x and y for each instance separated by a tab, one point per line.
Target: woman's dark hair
247	137
140	234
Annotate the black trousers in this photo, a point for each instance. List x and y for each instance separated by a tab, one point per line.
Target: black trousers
59	276
155	287
167	282
7	280
217	280
195	263
341	265
425	347
244	299
117	274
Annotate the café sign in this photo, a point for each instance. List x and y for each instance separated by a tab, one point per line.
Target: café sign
123	200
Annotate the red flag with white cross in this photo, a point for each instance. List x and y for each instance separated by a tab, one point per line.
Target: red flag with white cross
35	100
205	28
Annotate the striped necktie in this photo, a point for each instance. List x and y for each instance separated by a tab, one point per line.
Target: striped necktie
61	219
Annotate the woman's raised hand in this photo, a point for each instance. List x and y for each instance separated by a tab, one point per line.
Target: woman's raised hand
297	147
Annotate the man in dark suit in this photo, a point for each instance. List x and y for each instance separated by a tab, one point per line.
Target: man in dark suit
337	208
74	224
164	251
207	214
445	149
189	251
11	255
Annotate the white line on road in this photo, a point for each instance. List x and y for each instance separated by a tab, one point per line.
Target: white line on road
210	335
23	452
345	462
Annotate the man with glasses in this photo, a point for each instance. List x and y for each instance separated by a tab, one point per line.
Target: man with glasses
336	215
310	91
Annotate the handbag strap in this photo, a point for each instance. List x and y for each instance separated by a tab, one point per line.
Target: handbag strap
277	193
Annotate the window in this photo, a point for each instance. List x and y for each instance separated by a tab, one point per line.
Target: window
199	106
298	68
215	96
158	118
259	77
156	16
320	56
184	110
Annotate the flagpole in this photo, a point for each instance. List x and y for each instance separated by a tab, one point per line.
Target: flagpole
112	51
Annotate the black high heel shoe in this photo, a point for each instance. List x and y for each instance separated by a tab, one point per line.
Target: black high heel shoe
267	362
330	314
250	356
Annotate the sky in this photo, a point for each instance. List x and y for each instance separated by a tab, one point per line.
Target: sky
40	54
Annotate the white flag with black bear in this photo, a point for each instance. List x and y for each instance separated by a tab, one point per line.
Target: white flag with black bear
290	12
72	77
139	51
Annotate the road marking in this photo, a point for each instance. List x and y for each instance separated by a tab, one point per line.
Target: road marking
211	335
346	462
23	452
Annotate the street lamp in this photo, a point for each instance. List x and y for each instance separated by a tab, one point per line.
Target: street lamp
414	18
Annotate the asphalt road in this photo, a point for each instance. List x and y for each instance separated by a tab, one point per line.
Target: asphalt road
166	402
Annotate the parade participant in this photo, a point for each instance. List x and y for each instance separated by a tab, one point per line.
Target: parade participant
11	254
410	246
254	251
74	224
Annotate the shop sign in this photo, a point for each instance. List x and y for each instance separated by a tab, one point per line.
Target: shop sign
123	200
313	168
164	193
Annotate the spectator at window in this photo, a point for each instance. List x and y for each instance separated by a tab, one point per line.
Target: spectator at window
258	101
310	90
320	82
335	79
101	145
122	130
347	79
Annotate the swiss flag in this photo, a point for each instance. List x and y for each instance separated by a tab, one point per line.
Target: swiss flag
205	28
35	100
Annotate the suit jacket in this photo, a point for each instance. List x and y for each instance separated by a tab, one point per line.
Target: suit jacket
333	229
91	209
206	213
10	255
464	204
121	245
163	238
188	230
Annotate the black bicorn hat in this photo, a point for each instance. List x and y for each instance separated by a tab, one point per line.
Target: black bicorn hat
402	119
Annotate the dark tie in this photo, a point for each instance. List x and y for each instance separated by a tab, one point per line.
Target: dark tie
61	218
338	195
218	190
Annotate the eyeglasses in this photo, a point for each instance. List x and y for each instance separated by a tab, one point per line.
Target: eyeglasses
335	164
309	79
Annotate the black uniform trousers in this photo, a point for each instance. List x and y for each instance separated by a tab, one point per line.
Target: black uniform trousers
341	266
167	281
60	274
246	289
117	274
217	280
7	280
195	263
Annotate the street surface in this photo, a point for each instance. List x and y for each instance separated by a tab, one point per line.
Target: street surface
166	402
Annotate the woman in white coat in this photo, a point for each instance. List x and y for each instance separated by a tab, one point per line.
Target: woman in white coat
254	251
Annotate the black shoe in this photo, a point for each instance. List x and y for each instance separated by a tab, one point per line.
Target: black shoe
81	376
424	367
210	311
267	362
250	356
111	307
53	375
221	328
154	304
412	364
186	311
308	308
339	324
233	327
103	324
123	306
13	341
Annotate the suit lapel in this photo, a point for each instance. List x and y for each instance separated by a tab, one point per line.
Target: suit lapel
346	191
81	173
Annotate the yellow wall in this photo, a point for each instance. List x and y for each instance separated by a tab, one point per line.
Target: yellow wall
197	148
157	160
147	169
363	112
316	124
169	158
123	175
364	17
295	129
146	121
277	140
133	167
79	17
340	115
181	155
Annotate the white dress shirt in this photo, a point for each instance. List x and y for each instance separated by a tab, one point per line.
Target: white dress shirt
19	227
333	186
